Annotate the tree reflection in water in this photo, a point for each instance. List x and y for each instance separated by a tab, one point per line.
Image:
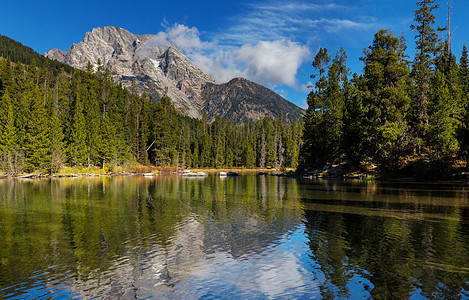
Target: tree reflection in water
250	236
405	240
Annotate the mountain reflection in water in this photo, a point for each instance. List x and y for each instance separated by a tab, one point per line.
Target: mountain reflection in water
244	237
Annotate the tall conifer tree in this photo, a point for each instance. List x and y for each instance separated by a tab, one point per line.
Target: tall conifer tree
77	150
7	134
427	45
386	98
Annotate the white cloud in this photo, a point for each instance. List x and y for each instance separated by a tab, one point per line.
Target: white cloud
336	25
298	6
219	63
273	62
152	46
306	88
185	38
291	20
266	62
263	43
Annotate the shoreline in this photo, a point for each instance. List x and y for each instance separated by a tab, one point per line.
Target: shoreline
163	171
270	172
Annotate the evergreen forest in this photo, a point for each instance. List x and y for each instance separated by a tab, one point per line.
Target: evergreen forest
399	114
50	119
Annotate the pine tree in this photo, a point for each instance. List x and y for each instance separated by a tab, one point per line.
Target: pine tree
20	92
262	142
205	146
279	141
250	160
324	116
220	142
195	154
37	141
428	45
464	73
464	86
297	143
334	108
354	133
144	129
92	116
184	155
166	133
446	108
57	146
271	142
6	79
77	150
386	99
7	134
108	147
443	124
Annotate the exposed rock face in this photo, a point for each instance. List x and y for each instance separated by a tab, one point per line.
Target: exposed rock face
159	67
242	100
153	69
56	54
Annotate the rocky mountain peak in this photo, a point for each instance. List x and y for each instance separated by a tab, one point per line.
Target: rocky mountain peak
158	67
56	54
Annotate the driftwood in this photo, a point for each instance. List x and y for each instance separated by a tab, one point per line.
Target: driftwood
26	176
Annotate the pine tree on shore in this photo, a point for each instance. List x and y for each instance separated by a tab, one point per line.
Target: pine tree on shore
428	45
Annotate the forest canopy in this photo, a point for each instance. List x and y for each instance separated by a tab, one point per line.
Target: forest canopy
49	120
398	110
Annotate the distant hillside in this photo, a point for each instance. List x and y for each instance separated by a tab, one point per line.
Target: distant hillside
242	100
17	52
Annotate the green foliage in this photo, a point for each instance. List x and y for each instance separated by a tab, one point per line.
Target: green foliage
7	134
354	134
464	86
443	124
16	52
428	46
390	112
36	143
165	131
464	72
77	150
386	99
324	117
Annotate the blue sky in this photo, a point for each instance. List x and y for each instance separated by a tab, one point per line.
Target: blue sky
269	42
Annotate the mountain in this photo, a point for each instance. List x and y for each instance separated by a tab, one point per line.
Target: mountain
156	70
243	100
158	67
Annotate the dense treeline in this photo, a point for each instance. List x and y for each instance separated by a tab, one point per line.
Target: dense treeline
85	119
397	110
17	52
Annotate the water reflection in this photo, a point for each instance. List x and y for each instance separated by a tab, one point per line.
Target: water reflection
245	237
135	236
404	241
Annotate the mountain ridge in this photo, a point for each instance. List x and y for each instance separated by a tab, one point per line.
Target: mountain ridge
157	67
248	101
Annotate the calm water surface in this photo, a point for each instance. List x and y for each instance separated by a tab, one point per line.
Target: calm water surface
250	237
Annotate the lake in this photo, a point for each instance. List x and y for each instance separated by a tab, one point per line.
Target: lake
246	237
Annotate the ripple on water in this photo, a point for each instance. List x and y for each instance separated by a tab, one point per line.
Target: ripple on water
243	238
